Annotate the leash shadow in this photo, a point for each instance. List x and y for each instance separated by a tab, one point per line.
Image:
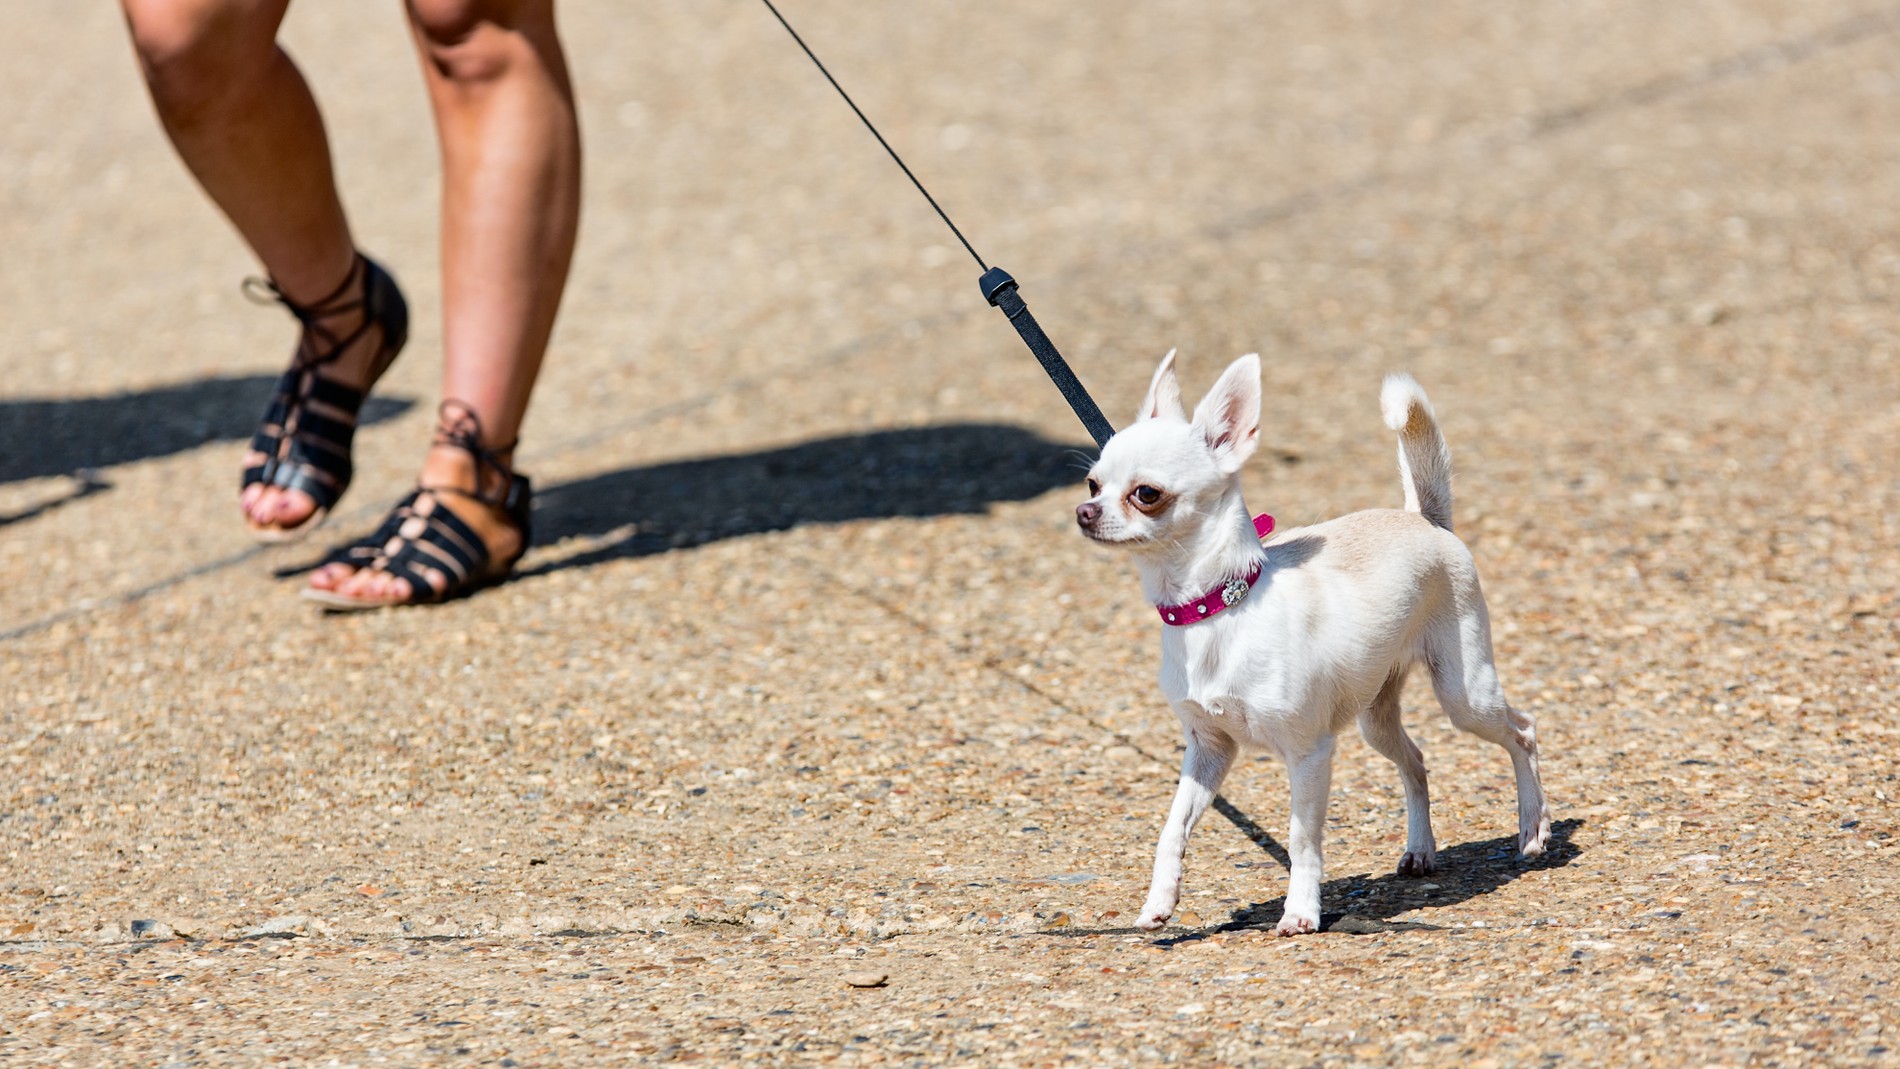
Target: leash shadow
954	469
1247	826
41	438
85	483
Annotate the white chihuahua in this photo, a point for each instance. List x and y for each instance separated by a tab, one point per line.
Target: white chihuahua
1281	647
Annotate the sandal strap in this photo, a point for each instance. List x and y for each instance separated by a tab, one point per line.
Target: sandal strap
421	591
361	552
459	425
426	543
311	316
303	448
296	389
451	538
443	548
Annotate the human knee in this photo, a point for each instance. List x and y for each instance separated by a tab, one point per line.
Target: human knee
192	54
475	40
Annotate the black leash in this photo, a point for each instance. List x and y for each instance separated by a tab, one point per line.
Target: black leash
999	288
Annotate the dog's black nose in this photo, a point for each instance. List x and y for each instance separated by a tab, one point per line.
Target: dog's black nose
1087	513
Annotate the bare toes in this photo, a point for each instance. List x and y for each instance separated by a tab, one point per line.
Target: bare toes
260	503
293	507
375	586
331	576
365	585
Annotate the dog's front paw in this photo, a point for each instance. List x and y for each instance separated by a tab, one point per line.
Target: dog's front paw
1300	923
1156	911
1418	863
1163	896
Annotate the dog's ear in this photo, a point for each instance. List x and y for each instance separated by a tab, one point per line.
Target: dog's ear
1229	416
1164	394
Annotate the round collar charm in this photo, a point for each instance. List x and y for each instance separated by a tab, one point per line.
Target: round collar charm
1230	593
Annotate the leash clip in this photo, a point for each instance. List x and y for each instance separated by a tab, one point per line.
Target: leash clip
994	282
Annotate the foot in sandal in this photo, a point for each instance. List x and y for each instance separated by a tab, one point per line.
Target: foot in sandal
299	462
462	528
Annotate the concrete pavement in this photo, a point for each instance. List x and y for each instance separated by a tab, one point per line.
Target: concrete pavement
809	674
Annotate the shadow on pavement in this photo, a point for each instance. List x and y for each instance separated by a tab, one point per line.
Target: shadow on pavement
1261	837
1465	871
42	438
958	469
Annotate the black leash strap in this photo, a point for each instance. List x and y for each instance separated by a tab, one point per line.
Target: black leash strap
999	288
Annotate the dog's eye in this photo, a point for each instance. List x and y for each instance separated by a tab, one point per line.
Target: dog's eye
1095	488
1146	496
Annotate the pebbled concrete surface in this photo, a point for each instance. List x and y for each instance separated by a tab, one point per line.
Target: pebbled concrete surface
809	677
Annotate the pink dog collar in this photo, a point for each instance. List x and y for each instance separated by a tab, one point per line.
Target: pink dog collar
1228	594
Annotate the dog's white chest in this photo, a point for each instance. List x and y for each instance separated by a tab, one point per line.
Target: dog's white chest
1231	688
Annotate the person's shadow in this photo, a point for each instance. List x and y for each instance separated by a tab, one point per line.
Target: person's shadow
77	437
956	469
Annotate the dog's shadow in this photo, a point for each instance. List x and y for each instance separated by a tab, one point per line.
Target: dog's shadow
957	469
1370	903
1465	871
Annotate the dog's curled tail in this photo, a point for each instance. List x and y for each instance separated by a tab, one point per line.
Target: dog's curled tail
1424	460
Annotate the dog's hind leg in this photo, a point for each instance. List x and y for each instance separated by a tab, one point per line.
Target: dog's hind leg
1466	682
1209	756
1381	726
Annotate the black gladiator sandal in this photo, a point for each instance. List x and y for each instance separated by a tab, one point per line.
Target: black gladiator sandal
425	543
304	437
